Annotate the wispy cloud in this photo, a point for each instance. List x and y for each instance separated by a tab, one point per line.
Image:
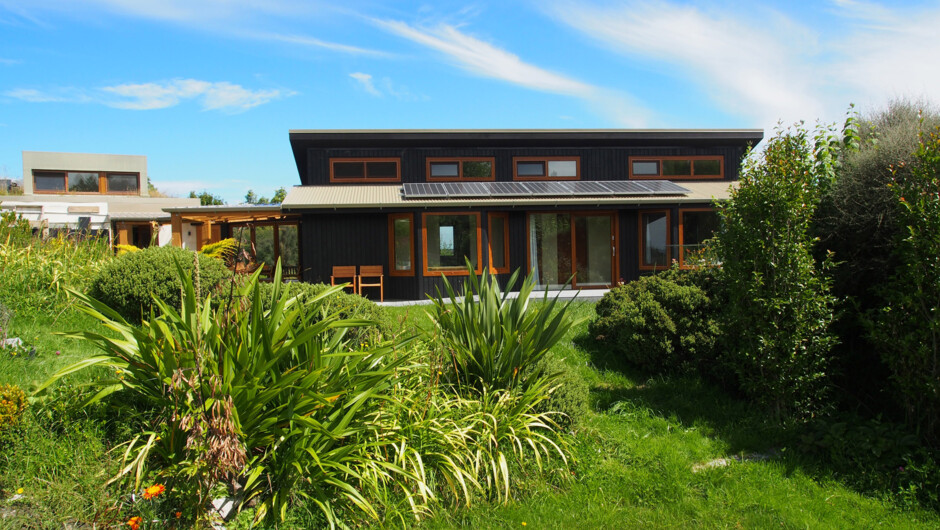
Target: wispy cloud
9	62
365	81
304	40
483	59
766	64
749	68
381	87
222	96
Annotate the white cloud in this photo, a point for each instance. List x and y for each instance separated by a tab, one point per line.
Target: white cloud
223	96
9	62
757	69
483	59
767	65
365	81
316	43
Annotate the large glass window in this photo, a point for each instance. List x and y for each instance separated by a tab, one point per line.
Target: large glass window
550	248
288	245
560	168
654	240
265	243
498	242
449	239
49	181
466	168
85	182
80	182
695	227
677	167
122	183
364	169
401	244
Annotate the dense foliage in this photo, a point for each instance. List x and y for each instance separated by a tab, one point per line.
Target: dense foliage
779	308
907	328
37	271
658	324
129	283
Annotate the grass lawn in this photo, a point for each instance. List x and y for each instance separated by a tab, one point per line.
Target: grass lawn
637	456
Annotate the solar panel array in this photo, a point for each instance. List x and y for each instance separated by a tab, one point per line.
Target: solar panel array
614	188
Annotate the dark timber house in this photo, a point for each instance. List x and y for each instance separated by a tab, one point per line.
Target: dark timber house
603	205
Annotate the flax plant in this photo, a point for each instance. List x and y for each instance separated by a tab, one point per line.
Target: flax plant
268	406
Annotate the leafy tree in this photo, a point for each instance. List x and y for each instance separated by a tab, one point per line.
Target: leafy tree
907	328
779	307
206	198
252	198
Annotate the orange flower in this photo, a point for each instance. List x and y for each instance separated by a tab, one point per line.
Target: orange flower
153	491
134	522
179	514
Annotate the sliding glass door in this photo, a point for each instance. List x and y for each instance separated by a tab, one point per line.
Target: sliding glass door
577	246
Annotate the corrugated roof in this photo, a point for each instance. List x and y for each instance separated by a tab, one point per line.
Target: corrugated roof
389	196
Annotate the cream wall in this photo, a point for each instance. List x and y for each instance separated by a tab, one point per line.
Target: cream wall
41	160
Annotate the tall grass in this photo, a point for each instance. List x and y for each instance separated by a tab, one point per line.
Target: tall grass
38	272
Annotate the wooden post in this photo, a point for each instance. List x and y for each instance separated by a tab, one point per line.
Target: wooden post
176	222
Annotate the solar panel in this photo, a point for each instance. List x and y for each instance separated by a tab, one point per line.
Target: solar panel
615	188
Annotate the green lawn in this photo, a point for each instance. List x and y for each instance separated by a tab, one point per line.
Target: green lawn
635	456
636	452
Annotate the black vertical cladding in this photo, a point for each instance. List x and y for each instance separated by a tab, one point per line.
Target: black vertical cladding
609	163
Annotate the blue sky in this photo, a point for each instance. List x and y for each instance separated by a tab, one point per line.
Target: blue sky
208	89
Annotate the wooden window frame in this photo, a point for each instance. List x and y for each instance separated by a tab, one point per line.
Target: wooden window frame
489	242
546	160
641	240
683	211
659	160
365	179
478	268
460	160
392	271
102	182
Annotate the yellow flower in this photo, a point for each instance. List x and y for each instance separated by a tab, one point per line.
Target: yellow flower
154	490
19	491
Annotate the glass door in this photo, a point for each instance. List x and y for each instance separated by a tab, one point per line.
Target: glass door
594	247
579	247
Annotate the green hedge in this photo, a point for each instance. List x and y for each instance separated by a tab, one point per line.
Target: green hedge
130	281
661	323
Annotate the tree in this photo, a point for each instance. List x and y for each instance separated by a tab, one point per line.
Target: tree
279	195
779	308
907	328
206	198
278	198
251	198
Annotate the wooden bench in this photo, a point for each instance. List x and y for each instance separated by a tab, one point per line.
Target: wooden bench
372	273
343	272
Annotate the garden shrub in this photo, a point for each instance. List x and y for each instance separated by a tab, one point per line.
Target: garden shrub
570	396
12	405
776	336
130	281
658	324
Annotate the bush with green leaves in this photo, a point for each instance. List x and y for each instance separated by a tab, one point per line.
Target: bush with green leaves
776	336
491	339
907	328
129	283
658	324
568	402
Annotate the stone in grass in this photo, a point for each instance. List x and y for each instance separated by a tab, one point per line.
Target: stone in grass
15	342
225	507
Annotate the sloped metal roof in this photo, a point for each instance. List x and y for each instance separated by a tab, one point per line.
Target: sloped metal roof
389	196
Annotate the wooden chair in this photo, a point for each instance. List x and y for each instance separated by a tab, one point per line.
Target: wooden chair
342	272
372	272
290	273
